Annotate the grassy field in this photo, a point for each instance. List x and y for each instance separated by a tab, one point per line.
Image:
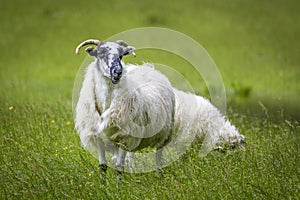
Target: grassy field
255	45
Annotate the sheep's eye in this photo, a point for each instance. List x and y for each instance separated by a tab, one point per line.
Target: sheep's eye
101	55
102	52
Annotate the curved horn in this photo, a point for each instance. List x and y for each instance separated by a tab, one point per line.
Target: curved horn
86	42
122	43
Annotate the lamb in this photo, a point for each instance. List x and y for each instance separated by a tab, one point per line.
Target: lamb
125	108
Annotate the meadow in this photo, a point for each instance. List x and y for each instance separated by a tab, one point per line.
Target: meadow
255	45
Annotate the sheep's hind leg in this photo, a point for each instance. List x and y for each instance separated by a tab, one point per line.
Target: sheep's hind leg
159	161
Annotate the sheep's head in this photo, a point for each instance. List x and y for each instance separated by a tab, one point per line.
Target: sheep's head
109	56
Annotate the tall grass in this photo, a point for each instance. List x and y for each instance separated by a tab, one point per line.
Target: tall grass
255	44
42	158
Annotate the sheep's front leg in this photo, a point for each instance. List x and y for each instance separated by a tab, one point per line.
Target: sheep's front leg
102	159
101	156
105	121
120	163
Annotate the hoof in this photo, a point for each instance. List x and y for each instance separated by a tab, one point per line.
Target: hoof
103	167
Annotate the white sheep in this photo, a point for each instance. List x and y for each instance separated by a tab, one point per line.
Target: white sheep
132	112
125	107
195	116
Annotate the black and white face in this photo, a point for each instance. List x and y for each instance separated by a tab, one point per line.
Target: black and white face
109	56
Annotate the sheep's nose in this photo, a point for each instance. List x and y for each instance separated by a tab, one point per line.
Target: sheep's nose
118	71
117	74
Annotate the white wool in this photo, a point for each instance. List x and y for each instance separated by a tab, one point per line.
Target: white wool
196	116
139	110
144	110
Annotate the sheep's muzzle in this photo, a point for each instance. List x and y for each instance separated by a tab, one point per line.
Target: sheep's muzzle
116	71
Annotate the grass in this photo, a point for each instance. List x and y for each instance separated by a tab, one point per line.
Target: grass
255	45
43	159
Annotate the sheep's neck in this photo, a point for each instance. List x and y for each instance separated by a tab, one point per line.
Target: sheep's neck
104	96
105	90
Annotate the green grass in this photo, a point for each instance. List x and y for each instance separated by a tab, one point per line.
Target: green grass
255	44
42	158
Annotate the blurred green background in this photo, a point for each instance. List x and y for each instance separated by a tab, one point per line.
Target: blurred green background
255	45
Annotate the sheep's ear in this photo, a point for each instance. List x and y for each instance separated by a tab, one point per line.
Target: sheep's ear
129	50
92	51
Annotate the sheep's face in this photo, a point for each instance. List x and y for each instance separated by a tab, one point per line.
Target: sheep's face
109	56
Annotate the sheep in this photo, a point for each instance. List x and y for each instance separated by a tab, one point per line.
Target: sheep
195	117
129	113
125	108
